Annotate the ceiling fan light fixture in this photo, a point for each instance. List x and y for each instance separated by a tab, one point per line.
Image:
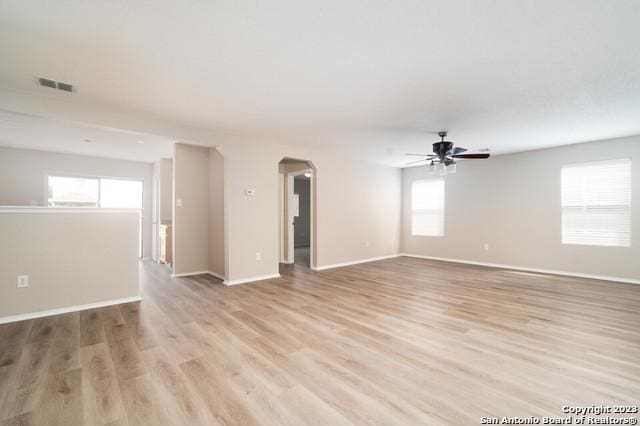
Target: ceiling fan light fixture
445	153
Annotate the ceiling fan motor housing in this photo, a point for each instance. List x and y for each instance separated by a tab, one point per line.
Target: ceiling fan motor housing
442	149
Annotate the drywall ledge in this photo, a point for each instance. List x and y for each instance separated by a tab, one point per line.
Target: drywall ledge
72	257
354	262
522	268
22	317
251	279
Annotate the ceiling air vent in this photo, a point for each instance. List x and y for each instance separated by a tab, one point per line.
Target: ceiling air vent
65	86
47	83
55	84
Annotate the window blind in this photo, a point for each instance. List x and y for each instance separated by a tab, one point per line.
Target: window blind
427	207
596	203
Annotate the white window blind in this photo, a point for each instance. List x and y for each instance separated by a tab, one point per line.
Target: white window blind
427	207
596	203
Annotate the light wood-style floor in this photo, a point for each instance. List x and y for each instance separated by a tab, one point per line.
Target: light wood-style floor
401	341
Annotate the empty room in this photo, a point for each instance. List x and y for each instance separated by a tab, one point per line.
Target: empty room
331	213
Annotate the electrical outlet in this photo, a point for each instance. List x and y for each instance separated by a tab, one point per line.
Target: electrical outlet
258	256
23	281
486	246
179	202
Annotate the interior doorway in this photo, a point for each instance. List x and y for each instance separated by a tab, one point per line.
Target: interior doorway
297	212
302	219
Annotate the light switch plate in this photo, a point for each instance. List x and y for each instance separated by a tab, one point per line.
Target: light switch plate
178	202
23	281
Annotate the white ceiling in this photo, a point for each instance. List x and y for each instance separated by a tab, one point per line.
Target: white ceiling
23	131
366	77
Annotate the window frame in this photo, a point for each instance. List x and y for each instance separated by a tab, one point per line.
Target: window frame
562	207
47	174
414	211
143	218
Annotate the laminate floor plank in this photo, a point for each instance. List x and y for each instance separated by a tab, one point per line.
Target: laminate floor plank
100	390
65	351
181	401
400	341
61	403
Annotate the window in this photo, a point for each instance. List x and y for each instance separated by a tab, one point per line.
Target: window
427	207
68	191
73	192
596	203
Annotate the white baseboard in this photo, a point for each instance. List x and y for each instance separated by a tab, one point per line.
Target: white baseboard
188	274
251	279
215	274
526	269
58	311
353	262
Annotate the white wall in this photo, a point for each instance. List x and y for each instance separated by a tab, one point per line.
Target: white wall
356	202
512	202
216	213
23	178
166	189
155	212
198	225
191	220
72	257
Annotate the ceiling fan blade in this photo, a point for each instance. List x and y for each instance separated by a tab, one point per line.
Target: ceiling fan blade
423	155
472	156
419	161
458	150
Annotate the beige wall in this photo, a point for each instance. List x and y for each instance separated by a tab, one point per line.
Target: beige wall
216	213
191	220
23	178
72	258
166	189
356	202
512	202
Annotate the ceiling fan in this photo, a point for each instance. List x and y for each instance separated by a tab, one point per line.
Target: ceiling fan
444	154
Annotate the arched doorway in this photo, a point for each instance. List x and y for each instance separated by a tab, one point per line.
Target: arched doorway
297	212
